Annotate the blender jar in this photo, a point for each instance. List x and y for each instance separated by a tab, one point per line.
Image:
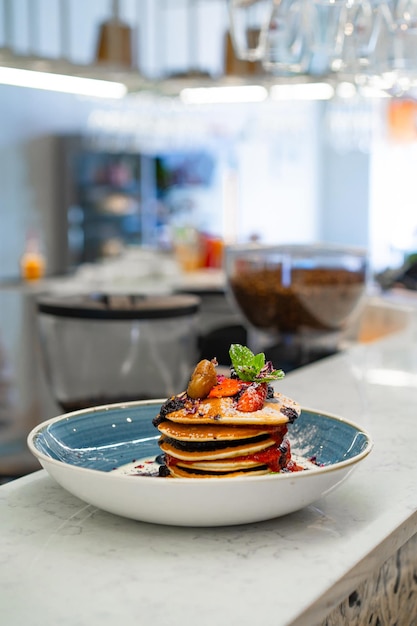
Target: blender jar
101	349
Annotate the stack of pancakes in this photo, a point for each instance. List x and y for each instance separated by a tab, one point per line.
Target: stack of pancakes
211	438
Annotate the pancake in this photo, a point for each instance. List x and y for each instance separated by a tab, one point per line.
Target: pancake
275	457
279	410
227	426
213	432
221	466
179	472
169	447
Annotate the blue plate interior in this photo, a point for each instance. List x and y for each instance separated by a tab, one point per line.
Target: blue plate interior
101	439
110	437
329	439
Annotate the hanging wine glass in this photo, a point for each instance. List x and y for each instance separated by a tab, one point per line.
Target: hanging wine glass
249	20
288	38
380	52
327	19
361	31
404	44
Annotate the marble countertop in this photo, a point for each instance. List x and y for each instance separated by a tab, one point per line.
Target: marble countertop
65	562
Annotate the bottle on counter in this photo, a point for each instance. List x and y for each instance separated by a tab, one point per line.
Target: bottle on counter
32	261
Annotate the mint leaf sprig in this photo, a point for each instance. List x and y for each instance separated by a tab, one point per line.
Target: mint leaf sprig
251	367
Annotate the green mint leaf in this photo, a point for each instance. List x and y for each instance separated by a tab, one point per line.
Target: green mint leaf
258	362
252	368
240	355
243	362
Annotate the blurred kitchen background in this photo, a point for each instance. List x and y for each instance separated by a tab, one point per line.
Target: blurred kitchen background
111	190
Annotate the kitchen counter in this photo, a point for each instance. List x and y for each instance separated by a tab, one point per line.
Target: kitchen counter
348	559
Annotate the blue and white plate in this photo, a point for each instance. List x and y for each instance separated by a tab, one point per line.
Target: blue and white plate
106	457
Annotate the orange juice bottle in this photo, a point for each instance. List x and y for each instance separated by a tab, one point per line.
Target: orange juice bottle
32	261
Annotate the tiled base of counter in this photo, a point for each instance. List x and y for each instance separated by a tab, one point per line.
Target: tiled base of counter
389	598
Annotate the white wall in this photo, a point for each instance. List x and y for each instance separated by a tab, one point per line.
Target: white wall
279	174
344	210
393	206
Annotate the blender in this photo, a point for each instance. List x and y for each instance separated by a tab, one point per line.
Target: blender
102	348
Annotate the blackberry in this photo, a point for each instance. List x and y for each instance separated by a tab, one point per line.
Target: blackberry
290	413
269	392
164	471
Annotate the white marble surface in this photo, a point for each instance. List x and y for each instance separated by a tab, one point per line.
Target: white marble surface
67	563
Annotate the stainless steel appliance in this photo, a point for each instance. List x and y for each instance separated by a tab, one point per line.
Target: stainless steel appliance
104	348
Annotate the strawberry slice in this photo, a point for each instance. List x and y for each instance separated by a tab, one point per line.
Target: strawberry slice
253	398
226	387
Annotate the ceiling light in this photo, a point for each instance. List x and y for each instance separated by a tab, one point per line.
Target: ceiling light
346	90
228	94
302	91
62	83
373	92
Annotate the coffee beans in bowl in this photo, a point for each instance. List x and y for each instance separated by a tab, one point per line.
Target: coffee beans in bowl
287	289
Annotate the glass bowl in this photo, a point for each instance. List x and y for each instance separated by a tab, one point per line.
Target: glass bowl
297	289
